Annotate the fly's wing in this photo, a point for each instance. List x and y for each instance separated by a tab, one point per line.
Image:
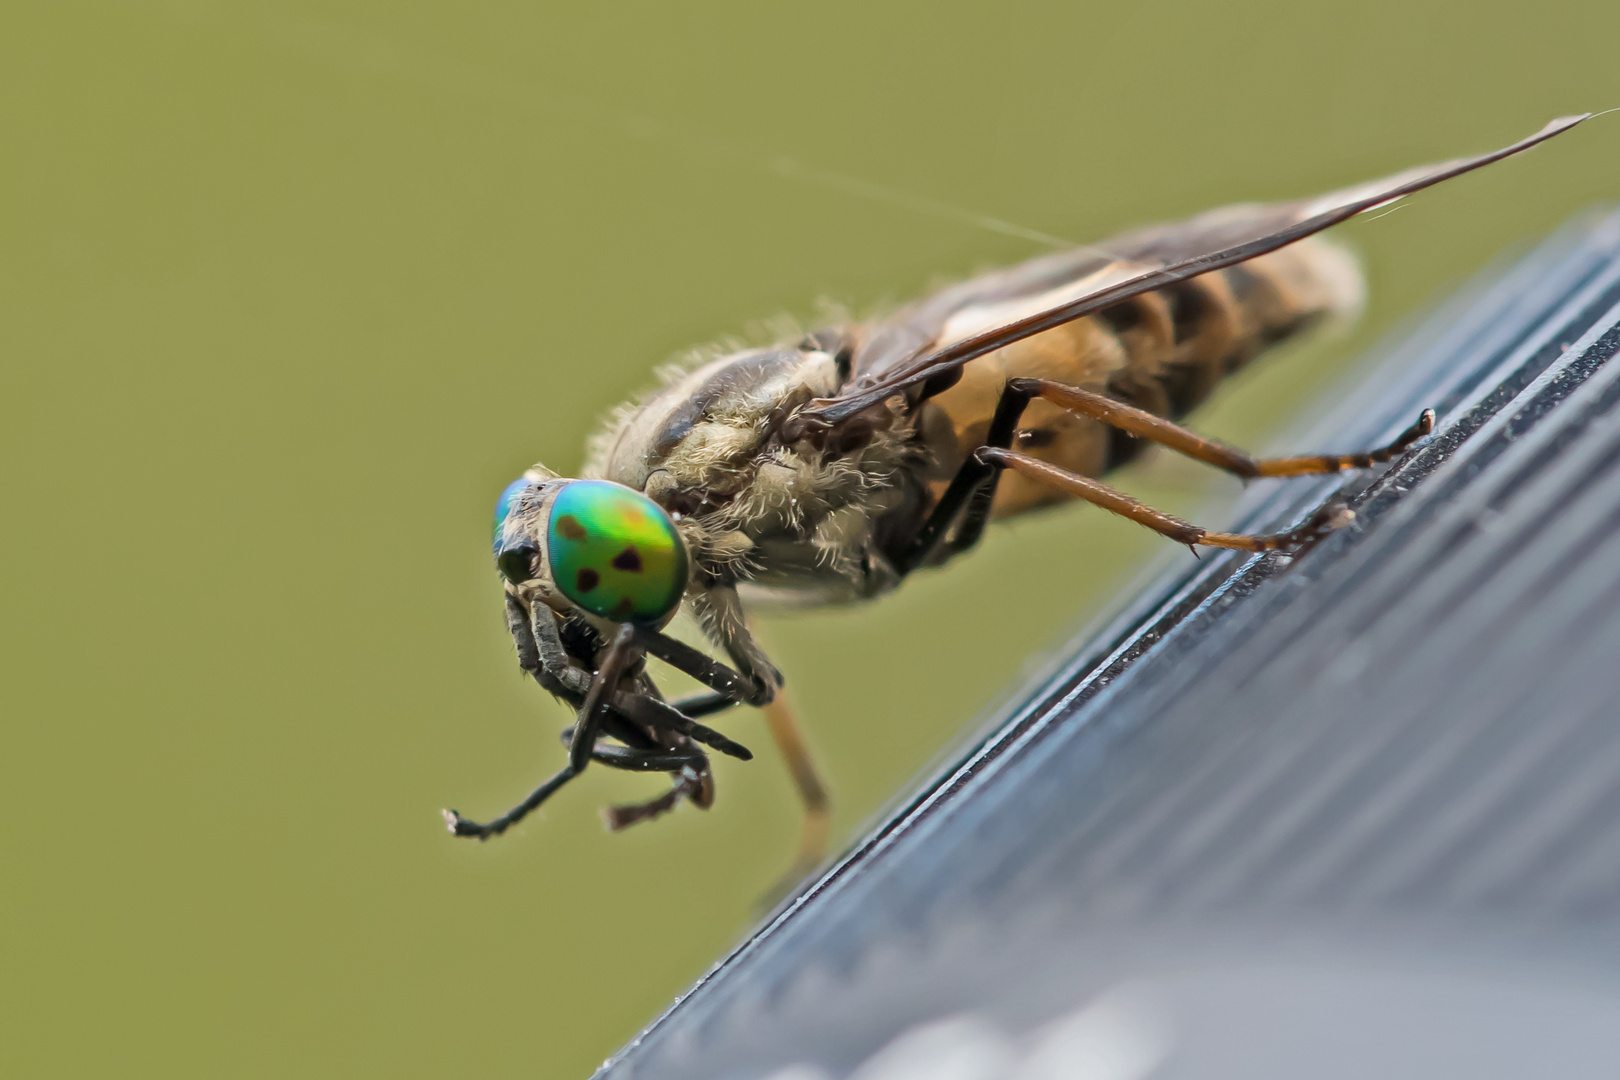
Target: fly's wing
906	353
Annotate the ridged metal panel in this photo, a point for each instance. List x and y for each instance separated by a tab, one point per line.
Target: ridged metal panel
1403	744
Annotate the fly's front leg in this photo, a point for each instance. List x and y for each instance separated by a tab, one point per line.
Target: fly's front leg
538	637
704	704
1157	429
620	655
662	716
705	669
719	610
693	785
679	755
642	759
460	826
630	713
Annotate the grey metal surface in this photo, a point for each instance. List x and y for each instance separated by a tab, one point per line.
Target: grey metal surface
1351	813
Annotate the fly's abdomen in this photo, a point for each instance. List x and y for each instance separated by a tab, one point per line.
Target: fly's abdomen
1163	352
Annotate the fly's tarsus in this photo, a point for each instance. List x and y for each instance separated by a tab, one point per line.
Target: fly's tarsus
1335	515
1309	464
460	826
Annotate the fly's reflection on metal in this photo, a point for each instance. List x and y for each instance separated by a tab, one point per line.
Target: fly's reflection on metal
827	469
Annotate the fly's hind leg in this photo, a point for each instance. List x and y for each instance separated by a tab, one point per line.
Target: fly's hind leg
1094	491
1157	429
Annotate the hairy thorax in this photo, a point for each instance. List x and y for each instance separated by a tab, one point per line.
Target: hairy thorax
789	522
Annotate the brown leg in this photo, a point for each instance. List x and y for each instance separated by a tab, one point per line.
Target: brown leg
816	827
1094	491
689	784
1162	431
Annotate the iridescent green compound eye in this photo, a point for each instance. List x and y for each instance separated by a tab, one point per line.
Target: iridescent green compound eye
615	552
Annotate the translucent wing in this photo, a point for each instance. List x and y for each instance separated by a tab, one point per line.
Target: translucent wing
906	352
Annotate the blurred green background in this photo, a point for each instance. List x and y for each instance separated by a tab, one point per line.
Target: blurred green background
288	291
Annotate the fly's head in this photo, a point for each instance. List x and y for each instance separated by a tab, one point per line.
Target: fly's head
590	546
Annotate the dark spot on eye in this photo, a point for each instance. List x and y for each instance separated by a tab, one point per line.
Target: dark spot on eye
570	527
628	559
587	579
623	609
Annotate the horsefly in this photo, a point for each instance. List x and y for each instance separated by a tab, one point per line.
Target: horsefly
828	468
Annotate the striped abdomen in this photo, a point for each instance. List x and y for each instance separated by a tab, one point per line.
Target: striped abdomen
1163	352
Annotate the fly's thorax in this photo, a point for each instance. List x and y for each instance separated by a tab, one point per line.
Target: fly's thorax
592	548
699	433
806	518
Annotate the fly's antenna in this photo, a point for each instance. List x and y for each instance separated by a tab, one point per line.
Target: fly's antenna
910	200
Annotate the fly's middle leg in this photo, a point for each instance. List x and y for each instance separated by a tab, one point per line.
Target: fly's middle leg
1157	429
958	519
